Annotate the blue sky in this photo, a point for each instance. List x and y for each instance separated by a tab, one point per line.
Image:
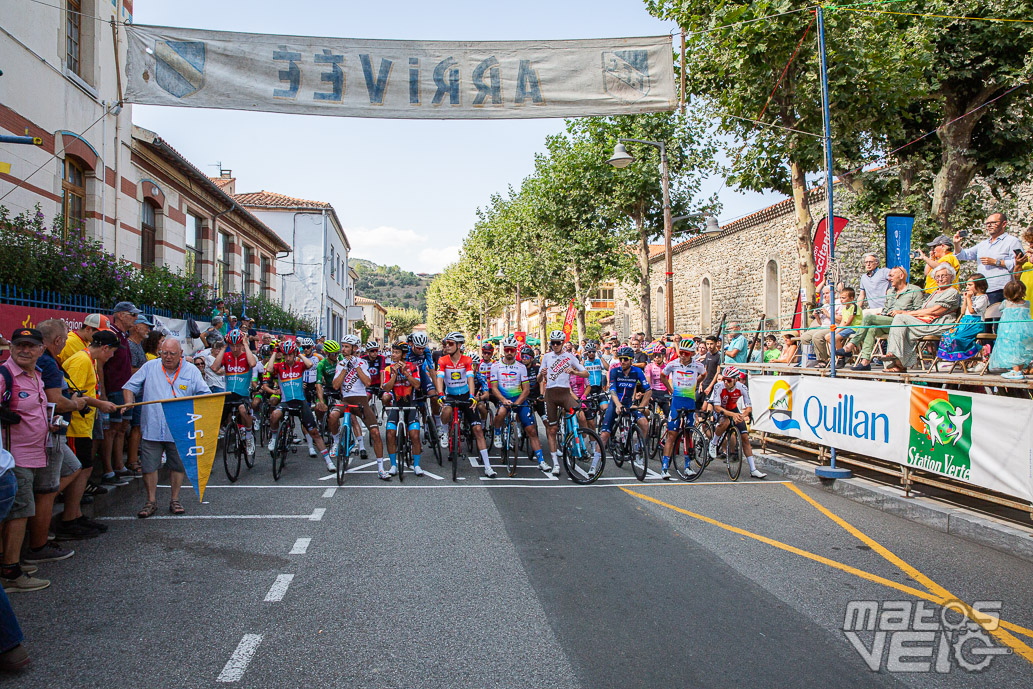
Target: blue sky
406	191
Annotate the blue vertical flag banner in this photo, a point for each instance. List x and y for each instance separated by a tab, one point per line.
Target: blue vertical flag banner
898	241
194	424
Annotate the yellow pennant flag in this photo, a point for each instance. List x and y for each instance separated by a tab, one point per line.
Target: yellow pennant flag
194	424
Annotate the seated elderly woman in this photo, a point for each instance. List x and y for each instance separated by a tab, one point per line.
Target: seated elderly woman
936	316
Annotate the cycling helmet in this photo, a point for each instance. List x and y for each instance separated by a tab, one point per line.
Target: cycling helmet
290	348
401	345
454	336
475	359
236	337
557	336
352	340
526	352
488	348
509	343
372	346
265	350
418	340
686	345
331	346
591	346
731	372
306	342
626	352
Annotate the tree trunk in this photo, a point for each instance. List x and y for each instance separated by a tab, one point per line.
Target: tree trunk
957	170
542	321
579	304
642	258
804	241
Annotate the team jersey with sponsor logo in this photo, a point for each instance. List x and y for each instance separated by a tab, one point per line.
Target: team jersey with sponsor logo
289	376
510	377
557	369
238	373
595	371
351	384
730	399
455	374
684	379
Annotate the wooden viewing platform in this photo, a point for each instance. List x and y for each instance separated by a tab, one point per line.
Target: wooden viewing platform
988	381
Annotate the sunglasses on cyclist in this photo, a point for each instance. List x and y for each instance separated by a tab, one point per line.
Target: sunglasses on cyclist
624	358
509	350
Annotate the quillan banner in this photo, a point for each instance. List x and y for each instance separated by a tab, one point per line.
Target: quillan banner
984	440
399	79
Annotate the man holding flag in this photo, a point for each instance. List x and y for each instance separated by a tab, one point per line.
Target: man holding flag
167	378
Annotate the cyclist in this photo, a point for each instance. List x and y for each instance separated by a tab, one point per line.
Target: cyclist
556	368
268	388
257	380
731	400
238	362
625	380
352	377
511	386
680	377
308	379
288	372
654	373
376	363
400	379
325	369
535	401
456	383
480	388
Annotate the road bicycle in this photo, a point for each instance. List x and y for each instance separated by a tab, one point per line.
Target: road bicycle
234	445
346	442
579	448
285	441
403	446
731	441
511	439
657	428
265	408
459	428
691	446
430	429
627	443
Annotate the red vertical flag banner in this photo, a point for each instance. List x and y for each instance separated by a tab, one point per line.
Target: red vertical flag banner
568	322
821	246
521	337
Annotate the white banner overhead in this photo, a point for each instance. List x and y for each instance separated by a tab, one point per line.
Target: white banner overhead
399	79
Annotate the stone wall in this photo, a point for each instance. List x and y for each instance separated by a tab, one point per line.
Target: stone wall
736	264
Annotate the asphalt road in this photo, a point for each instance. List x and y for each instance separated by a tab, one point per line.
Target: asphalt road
506	583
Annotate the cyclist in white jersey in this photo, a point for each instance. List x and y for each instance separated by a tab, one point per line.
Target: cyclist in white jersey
511	388
556	368
681	377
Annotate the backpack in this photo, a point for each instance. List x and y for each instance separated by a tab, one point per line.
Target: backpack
8	417
193	330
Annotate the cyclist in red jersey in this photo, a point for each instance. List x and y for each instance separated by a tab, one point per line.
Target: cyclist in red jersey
455	383
732	404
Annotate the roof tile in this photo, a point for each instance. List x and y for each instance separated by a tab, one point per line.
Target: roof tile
271	199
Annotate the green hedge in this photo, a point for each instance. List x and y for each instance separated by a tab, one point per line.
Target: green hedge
34	258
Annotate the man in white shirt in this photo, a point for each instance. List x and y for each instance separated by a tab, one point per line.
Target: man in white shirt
995	256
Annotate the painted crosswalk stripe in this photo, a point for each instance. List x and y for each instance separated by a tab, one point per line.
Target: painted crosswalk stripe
241	658
300	546
279	588
329	492
317	514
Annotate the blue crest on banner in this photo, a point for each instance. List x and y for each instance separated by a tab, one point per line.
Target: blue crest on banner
626	74
179	66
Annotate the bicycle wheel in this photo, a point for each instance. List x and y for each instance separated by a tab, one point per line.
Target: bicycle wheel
616	446
636	451
455	447
689	456
579	456
509	453
280	451
734	453
344	451
231	450
433	439
655	432
403	451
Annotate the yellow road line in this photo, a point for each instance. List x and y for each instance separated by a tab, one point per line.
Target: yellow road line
983	620
875	578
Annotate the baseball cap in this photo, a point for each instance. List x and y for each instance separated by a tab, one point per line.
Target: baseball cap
98	321
27	335
941	240
106	337
128	307
142	318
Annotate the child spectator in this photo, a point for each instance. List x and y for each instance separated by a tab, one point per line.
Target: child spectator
1013	348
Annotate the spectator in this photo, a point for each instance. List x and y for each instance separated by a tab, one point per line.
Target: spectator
995	255
935	317
231	324
942	251
220	311
711	362
216	382
789	348
1013	348
960	343
79	339
27	440
160	379
875	282
63	469
641	358
137	335
771	350
214	330
247	326
12	656
114	375
1023	263
736	350
150	344
902	297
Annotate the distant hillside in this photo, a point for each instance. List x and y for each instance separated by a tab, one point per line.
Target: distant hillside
390	285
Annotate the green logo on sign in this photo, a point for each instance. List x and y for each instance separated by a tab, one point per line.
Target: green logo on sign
941	432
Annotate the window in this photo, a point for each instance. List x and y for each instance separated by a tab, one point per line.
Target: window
192	260
704	305
73	37
333	263
247	274
771	310
73	188
604	294
263	277
222	258
148	234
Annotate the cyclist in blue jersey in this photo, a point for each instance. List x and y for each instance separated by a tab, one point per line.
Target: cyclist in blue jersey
625	380
598	372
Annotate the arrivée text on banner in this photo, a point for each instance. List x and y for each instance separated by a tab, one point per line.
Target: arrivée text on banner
399	79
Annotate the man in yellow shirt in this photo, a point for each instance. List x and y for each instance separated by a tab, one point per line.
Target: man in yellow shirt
942	251
81	368
79	339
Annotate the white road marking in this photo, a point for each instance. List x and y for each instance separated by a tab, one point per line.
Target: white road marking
327	478
329	492
555	484
433	476
241	658
475	462
317	514
517	478
300	546
279	588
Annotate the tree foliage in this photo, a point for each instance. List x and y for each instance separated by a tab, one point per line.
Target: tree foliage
403	321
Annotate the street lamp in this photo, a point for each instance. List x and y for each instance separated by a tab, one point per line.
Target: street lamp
711	228
621	159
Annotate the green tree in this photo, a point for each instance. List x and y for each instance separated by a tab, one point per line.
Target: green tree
403	321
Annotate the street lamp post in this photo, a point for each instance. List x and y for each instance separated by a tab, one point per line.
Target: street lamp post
621	159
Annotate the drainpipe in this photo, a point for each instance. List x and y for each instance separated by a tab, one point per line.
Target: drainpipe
323	285
103	170
215	235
